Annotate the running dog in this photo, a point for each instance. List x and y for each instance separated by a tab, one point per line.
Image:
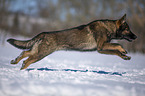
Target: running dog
93	36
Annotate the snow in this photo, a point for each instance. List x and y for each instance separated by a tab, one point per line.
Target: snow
71	73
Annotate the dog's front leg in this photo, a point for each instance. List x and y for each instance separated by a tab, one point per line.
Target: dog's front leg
114	46
113	49
115	52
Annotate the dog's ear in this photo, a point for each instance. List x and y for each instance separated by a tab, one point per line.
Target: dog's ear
121	21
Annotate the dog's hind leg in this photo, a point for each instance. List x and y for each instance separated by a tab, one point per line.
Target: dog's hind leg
42	52
32	59
21	56
28	61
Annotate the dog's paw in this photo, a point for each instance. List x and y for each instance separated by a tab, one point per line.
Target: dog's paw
13	62
126	57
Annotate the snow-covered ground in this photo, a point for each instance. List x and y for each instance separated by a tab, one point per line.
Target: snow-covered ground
66	73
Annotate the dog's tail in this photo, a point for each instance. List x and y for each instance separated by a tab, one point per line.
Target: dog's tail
28	44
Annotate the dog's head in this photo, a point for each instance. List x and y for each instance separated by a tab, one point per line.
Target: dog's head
123	30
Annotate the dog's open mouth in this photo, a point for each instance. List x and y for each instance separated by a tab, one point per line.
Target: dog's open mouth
130	39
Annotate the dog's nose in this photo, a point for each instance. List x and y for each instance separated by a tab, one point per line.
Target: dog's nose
134	36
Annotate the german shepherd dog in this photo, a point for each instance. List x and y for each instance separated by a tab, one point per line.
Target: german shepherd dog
93	36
